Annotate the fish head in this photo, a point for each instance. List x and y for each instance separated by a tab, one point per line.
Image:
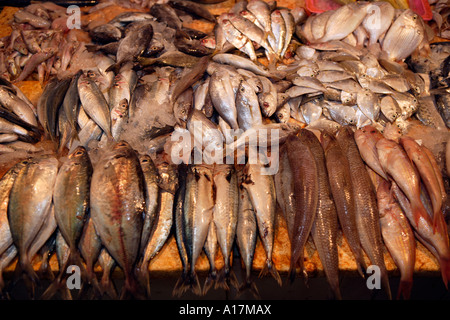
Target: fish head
79	152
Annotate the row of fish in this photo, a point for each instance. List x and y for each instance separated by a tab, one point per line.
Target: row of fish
128	204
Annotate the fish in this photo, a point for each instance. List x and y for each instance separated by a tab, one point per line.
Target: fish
404	36
247	106
305	181
6	183
29	206
108	265
132	45
268	97
236	38
396	163
367	215
378	20
225	215
325	224
398	237
428	114
262	194
90	246
197	217
343	21
71	208
431	178
189	78
117	213
106	33
223	98
152	195
163	220
244	63
71	102
260	9
95	104
34	62
366	139
246	236
278	27
12	102
193	8
211	248
339	178
390	108
434	240
119	117
180	236
183	105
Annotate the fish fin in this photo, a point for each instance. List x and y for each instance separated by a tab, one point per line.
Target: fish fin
144	277
210	281
91	47
222	280
27	268
270	268
250	286
418	211
193	283
115	67
108	287
404	289
179	289
445	270
132	287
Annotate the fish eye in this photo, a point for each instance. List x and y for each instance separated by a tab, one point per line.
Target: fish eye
79	153
242	89
144	160
265	104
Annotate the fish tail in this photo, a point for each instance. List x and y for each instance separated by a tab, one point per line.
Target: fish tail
222	281
27	268
144	277
270	268
404	289
418	211
250	286
131	286
210	281
107	286
115	67
87	275
180	288
445	270
439	224
385	283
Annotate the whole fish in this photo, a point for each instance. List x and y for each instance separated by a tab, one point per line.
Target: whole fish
434	239
325	225
183	105
34	62
268	97
378	20
428	113
119	117
132	45
71	207
180	235
366	139
390	108
236	38
367	216
404	36
246	236
306	187
117	212
225	217
247	106
163	220
261	10
6	183
197	217
278	27
367	102
398	237
341	188
193	8
223	98
261	190
94	103
343	21
152	180
431	179
29	206
396	163
12	102
71	102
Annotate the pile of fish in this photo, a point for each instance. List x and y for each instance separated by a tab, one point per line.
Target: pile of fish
340	100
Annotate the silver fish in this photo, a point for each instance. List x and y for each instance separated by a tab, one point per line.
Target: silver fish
404	36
